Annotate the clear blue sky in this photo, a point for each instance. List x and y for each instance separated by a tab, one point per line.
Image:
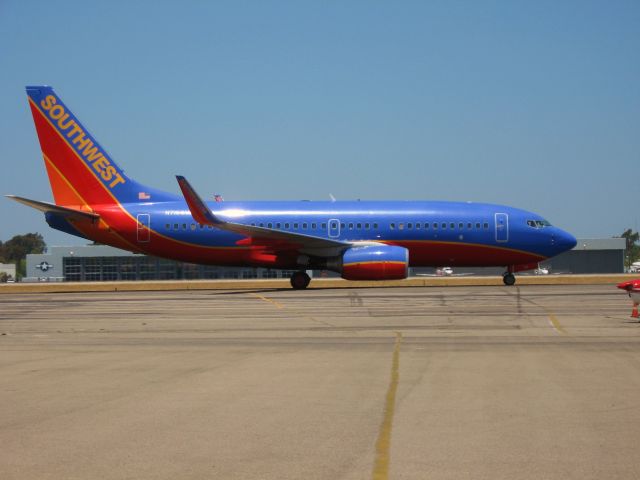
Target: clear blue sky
534	104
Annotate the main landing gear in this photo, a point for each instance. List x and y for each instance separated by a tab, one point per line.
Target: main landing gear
509	278
300	280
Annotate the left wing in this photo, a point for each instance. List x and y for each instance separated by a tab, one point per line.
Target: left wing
268	237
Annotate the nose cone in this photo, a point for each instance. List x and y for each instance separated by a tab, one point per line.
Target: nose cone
565	241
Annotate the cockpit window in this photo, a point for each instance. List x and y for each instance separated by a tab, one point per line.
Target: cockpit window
538	223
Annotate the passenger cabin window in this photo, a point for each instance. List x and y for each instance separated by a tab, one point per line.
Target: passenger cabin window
375	226
401	226
478	226
486	225
324	226
443	225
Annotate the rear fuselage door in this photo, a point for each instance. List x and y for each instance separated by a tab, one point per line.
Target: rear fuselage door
143	227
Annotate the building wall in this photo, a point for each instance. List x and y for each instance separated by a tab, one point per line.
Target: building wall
591	255
94	263
587	261
9	269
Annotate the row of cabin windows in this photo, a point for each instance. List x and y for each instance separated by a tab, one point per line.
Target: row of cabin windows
441	226
351	226
296	226
186	226
314	226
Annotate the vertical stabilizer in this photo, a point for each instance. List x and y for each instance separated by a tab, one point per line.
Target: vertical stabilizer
80	170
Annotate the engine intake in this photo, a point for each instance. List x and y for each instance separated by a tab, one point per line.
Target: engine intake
375	262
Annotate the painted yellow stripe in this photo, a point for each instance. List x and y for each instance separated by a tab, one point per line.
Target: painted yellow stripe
556	324
266	299
383	443
479	245
553	320
86	204
394	262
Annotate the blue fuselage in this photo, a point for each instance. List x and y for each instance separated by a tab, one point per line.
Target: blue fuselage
436	233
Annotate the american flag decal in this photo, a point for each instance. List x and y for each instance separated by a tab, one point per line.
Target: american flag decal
143	196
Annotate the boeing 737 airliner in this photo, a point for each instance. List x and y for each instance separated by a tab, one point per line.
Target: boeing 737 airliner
362	240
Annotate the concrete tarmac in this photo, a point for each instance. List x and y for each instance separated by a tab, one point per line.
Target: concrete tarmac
525	382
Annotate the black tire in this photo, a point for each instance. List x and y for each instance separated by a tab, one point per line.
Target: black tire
300	280
509	279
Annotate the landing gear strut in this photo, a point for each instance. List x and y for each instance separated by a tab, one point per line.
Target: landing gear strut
300	280
509	278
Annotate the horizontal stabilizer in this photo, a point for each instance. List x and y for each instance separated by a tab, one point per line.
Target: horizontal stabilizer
46	207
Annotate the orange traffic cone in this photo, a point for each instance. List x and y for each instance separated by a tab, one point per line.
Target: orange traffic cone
634	312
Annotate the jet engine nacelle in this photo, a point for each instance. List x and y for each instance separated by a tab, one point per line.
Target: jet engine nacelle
375	262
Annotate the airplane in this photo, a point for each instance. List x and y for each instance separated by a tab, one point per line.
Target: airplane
361	240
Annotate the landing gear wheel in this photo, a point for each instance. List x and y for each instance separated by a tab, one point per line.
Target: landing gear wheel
300	280
509	279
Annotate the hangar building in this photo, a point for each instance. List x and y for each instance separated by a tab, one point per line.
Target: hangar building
95	263
591	255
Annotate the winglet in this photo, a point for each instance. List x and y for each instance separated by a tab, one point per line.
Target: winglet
199	210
